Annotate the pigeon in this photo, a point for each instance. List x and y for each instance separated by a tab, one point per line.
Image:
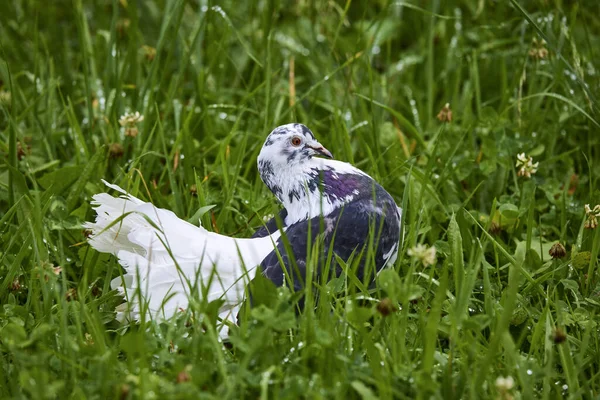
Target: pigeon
328	205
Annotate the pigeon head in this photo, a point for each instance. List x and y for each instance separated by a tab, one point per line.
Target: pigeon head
289	164
286	157
290	145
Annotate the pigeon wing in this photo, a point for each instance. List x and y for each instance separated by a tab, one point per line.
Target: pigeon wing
346	230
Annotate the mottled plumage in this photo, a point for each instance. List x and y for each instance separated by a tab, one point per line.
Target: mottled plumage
342	207
330	199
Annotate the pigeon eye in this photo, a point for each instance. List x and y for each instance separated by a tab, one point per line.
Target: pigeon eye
296	141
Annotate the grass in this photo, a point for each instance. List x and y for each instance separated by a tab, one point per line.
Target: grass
369	79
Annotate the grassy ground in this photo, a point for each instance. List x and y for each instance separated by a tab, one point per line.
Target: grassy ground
369	79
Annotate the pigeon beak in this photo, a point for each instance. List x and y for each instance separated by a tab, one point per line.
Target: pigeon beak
320	150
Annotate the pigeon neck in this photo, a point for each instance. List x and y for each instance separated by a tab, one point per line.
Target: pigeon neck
303	190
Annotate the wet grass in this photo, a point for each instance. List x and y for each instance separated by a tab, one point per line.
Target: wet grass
369	79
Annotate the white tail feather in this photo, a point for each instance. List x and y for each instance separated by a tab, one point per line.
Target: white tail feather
163	255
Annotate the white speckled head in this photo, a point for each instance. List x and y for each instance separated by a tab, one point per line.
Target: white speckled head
289	145
286	155
288	166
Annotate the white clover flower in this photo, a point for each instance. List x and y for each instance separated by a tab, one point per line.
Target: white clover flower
526	165
538	49
445	114
129	121
593	214
504	386
424	254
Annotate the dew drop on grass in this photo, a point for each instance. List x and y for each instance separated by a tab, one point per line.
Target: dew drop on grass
326	78
590	69
458	15
359	125
376	50
529	372
219	10
222	115
453	42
